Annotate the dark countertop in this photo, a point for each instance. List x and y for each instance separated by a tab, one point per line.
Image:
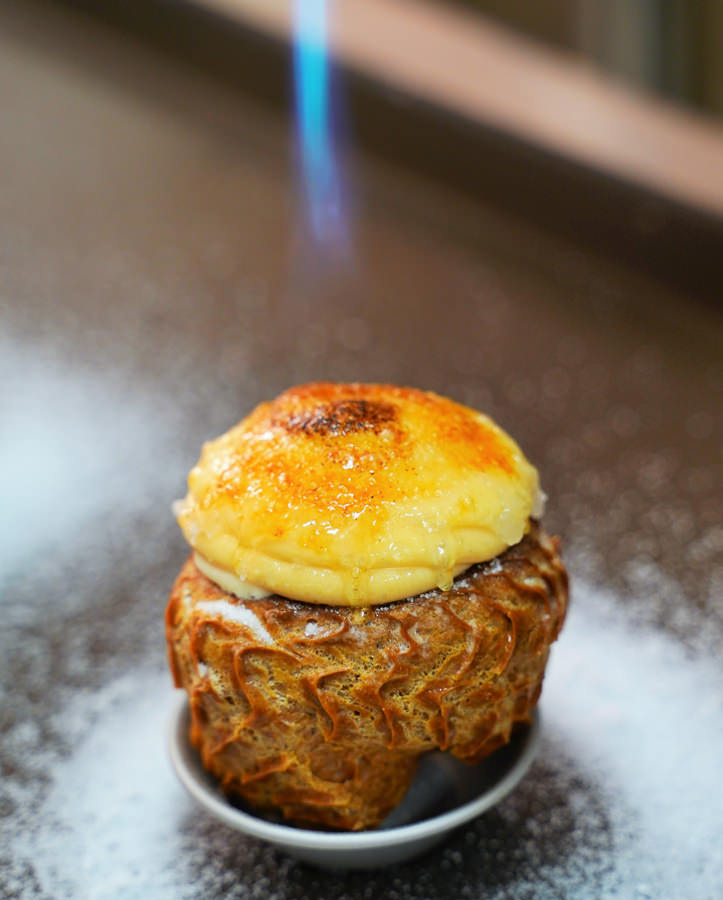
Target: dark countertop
155	283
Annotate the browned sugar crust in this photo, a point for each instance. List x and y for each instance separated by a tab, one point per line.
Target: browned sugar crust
321	713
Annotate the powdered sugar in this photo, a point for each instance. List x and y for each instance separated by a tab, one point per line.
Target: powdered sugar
633	708
623	793
236	612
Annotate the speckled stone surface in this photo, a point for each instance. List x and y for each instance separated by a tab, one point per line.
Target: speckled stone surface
155	283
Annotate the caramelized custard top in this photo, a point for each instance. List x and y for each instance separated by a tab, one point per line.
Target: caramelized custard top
356	494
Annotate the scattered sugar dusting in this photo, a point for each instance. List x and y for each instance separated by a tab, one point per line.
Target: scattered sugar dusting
493	567
234	612
623	793
633	707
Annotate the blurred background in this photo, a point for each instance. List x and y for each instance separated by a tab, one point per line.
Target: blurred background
517	205
668	48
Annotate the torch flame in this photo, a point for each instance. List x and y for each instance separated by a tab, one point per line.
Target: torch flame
312	93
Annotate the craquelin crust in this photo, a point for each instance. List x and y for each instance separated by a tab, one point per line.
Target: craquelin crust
321	713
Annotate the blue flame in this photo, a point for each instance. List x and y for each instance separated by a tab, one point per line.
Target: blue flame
312	88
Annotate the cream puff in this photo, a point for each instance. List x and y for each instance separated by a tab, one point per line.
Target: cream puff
368	581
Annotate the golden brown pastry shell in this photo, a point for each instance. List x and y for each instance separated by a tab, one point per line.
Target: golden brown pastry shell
321	713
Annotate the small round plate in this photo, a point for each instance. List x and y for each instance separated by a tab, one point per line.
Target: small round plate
445	794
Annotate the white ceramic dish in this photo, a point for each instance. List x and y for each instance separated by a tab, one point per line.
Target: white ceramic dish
445	794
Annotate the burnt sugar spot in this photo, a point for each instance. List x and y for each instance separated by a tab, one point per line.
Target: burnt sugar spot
341	417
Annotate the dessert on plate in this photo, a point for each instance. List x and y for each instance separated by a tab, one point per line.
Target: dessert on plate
368	581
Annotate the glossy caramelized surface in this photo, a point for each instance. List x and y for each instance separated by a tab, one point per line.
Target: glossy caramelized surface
357	494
